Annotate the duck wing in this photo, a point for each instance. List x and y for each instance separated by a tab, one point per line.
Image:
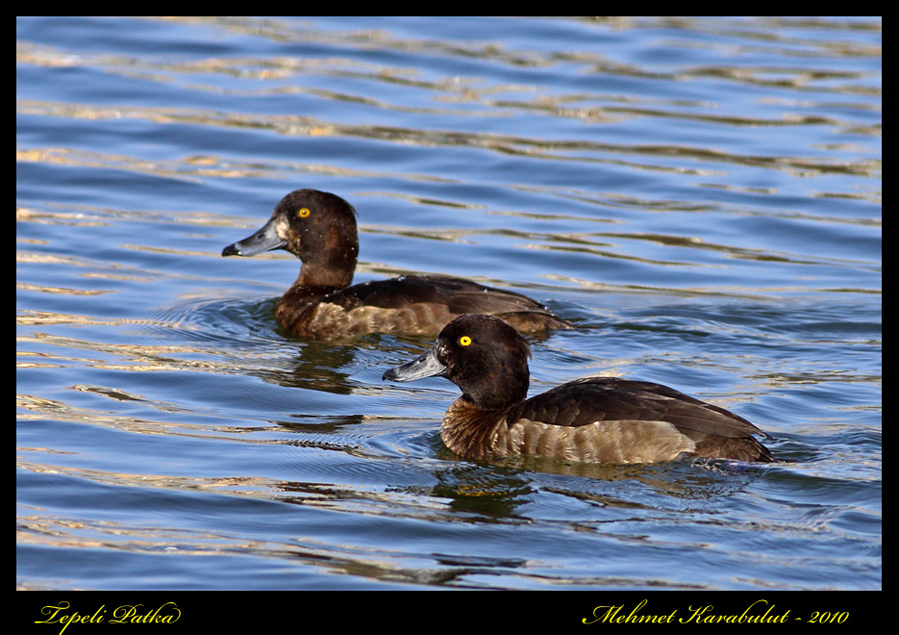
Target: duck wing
715	431
454	296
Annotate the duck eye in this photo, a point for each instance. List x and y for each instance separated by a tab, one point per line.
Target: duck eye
465	340
304	212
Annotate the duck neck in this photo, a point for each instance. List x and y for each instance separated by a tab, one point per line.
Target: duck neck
316	280
471	431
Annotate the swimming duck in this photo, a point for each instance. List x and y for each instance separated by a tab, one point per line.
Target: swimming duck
319	228
595	419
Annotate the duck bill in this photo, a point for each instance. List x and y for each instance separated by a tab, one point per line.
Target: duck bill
265	239
425	366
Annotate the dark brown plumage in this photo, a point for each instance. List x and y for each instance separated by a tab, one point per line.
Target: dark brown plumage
320	229
599	419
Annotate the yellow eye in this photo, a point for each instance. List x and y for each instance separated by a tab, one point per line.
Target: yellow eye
304	212
465	340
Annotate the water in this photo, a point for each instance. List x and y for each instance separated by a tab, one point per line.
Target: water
701	196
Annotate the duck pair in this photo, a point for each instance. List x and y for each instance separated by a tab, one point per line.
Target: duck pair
479	348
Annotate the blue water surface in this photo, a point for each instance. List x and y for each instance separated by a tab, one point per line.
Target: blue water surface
701	196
